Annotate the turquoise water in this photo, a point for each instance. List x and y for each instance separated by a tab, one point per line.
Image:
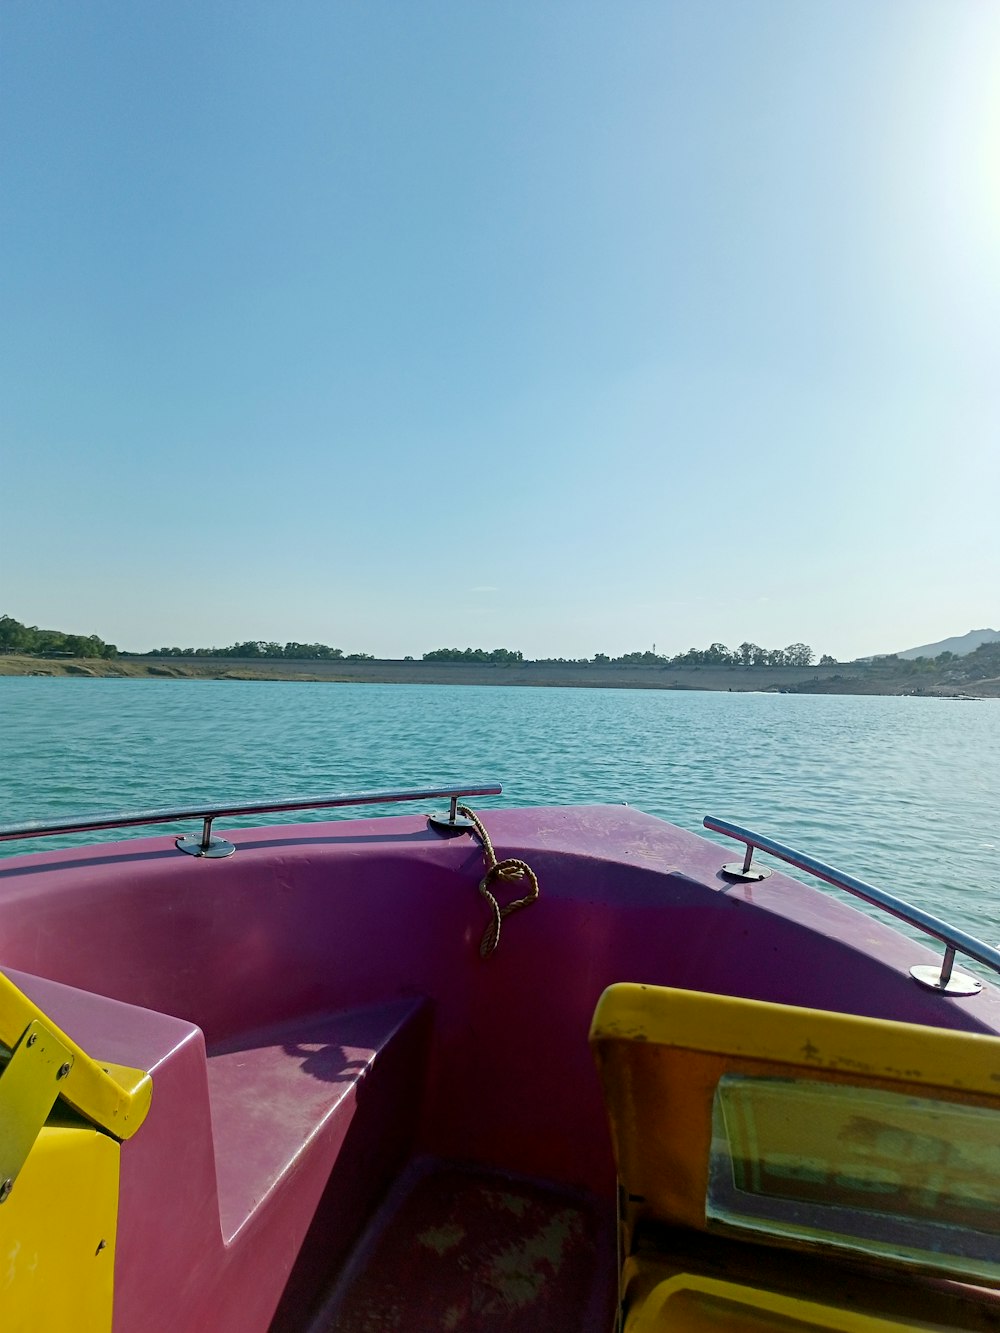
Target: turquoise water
901	792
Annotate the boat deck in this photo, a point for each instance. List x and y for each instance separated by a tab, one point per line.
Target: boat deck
473	1251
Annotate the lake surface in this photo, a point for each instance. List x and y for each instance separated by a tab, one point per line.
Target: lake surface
901	792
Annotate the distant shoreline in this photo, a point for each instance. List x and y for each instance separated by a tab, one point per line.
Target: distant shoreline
839	678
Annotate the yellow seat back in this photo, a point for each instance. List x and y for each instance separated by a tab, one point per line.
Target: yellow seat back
825	1133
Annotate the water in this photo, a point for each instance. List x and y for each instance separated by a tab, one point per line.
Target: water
901	792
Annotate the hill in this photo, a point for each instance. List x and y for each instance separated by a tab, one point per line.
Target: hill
962	644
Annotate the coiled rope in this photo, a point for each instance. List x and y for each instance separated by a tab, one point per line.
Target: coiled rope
511	868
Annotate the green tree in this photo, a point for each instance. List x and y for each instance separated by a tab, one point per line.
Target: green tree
14	637
502	655
718	655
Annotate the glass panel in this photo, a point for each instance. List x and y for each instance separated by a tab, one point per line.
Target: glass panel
906	1178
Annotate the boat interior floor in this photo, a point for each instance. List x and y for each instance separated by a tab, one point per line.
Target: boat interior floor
471	1251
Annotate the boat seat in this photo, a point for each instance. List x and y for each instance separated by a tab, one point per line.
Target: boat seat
310	1121
789	1168
280	1144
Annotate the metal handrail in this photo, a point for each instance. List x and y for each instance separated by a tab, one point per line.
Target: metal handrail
37	828
953	939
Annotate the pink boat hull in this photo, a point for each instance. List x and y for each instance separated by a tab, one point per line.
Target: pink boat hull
320	1026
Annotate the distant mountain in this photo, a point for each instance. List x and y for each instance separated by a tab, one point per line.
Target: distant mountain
964	643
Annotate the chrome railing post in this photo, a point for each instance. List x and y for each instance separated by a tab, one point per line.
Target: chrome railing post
947	963
747	871
214	848
944	979
453	822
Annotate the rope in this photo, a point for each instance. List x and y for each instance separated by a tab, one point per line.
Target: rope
507	870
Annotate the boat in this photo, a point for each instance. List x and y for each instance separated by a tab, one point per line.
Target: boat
467	1068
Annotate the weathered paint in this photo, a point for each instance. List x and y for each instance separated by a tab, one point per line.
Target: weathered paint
474	1252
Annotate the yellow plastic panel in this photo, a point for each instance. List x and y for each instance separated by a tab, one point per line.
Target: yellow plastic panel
112	1096
844	1044
663	1052
791	1127
29	1087
57	1235
689	1303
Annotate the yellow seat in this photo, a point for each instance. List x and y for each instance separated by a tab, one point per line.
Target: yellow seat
700	1304
746	1125
62	1117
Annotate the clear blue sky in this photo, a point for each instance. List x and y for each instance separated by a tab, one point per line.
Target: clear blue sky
564	327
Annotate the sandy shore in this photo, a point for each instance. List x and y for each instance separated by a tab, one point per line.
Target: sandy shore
841	678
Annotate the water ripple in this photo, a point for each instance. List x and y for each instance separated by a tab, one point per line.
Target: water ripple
901	792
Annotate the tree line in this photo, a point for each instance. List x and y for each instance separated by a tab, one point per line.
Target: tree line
35	642
317	652
717	654
747	655
29	639
503	656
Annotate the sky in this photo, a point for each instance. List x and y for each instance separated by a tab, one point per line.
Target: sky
563	327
